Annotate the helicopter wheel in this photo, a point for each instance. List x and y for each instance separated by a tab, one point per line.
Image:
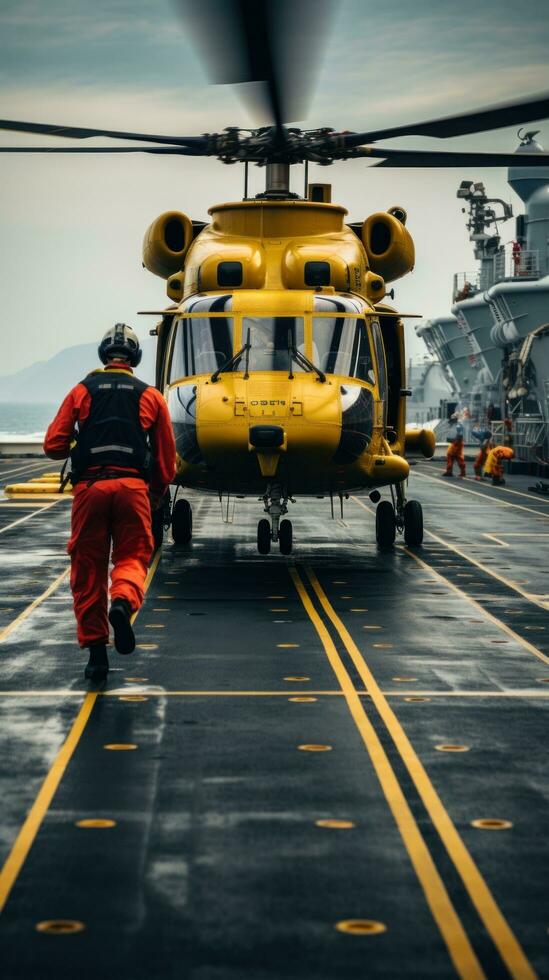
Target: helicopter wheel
263	536
385	524
413	523
182	522
285	537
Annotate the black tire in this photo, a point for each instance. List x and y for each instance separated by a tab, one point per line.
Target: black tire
157	521
413	523
285	537
182	522
263	536
385	524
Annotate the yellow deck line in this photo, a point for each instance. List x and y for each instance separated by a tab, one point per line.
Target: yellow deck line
502	935
155	693
440	904
483	568
27	517
480	608
31	826
8	630
459	486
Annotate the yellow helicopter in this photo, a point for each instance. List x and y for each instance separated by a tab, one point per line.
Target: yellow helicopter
282	364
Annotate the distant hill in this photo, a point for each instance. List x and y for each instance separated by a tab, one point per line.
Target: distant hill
49	381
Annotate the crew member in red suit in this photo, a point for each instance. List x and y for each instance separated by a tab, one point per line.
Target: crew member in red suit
122	462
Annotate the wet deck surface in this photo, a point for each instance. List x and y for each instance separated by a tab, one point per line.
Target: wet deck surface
216	867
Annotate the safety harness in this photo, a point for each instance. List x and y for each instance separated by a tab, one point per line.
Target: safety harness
111	437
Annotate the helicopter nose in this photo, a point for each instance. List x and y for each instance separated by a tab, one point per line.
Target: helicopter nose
266	436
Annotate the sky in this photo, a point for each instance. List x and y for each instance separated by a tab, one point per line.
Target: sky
72	226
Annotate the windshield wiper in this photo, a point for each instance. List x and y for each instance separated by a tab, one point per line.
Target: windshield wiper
234	360
295	355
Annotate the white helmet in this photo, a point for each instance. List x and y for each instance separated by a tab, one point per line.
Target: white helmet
121	340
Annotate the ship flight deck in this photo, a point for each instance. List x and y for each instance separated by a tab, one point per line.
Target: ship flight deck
318	768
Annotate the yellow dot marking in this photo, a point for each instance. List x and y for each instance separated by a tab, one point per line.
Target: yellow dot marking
154	626
383	646
120	746
415	698
137	680
297	678
132	697
372	627
335	824
60	927
491	823
287	646
361	927
147	646
452	748
95	823
314	748
406	680
302	699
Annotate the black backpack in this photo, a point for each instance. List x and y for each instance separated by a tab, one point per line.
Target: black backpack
112	435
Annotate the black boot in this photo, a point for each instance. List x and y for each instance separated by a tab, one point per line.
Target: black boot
97	667
119	618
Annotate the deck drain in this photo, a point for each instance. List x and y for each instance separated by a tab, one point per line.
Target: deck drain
147	646
95	823
499	641
332	824
417	698
491	823
60	927
132	697
297	678
302	699
120	746
361	927
452	748
308	747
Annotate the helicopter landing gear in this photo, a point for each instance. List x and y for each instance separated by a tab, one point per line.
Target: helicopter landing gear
263	536
182	522
385	524
413	523
276	505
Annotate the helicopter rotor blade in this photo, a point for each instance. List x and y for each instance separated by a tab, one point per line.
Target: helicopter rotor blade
442	158
189	151
271	47
80	133
476	121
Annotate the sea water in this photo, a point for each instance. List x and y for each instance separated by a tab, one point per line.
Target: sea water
29	419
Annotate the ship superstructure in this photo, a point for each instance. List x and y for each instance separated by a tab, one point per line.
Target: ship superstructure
494	346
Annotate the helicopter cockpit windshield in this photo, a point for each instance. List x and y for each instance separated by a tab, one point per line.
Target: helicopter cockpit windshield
270	339
204	343
341	343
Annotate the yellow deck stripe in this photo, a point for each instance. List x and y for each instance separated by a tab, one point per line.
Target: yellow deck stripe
27	517
508	946
476	493
452	931
480	608
31	826
396	693
8	630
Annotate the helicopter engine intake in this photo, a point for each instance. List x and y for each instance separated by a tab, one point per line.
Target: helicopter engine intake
388	243
166	243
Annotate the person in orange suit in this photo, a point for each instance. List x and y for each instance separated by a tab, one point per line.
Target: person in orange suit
122	462
482	456
494	463
455	455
